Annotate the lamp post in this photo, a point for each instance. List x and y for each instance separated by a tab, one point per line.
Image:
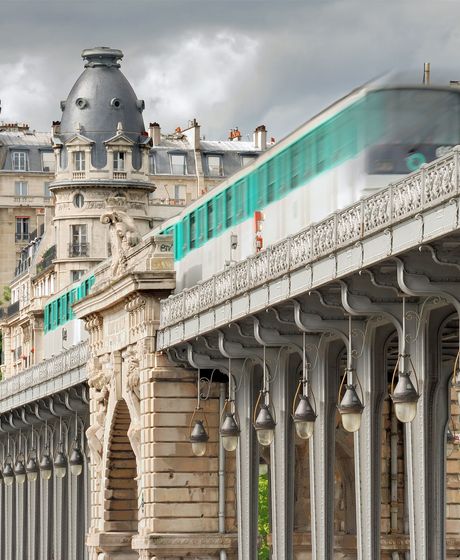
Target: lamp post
198	434
76	456
350	406
404	395
60	460
304	414
264	420
229	429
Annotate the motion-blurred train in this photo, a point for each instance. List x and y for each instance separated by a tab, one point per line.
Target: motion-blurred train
359	144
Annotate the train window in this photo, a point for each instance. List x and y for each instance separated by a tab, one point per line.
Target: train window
185	235
271	183
321	150
240	202
260	186
283	173
210	219
220	212
201	225
295	165
229	207
178	240
192	228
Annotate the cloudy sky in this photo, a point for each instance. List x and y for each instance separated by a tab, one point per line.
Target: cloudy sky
226	62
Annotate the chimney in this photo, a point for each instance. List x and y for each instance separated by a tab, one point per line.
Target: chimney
260	137
155	133
56	128
193	134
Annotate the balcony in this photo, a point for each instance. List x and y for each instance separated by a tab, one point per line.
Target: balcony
22	237
79	175
48	256
78	249
120	174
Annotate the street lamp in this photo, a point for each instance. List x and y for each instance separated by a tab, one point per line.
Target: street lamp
19	469
304	414
31	466
264	419
404	395
198	434
76	456
8	474
60	460
350	406
229	429
46	464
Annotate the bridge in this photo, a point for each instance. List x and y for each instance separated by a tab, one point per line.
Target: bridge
391	263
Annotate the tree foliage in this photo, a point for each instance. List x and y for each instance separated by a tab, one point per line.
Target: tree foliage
264	523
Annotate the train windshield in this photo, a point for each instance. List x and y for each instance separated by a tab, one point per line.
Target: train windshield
409	127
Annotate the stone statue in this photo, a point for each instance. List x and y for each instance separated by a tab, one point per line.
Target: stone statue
123	235
133	401
95	433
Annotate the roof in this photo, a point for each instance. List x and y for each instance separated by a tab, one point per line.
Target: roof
25	138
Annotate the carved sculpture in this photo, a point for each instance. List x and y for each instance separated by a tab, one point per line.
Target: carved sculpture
123	235
95	433
133	402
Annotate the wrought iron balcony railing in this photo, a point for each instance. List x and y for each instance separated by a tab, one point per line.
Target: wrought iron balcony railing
78	249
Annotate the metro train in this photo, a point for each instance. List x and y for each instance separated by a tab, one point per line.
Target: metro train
361	143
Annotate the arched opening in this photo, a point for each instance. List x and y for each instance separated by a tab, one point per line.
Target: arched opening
121	496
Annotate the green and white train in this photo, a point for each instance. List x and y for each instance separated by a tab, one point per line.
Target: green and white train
364	141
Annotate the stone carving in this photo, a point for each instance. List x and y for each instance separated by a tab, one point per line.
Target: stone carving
132	386
99	381
123	235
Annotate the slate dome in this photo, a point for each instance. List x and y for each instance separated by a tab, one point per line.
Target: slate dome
100	99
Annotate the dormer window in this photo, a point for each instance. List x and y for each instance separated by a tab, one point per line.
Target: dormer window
79	161
178	164
119	161
215	168
20	161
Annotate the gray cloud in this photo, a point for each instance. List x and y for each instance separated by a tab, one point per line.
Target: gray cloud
228	63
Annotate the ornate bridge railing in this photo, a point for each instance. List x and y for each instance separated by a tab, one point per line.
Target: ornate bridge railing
46	378
430	186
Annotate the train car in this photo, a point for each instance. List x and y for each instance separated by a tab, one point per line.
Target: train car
361	143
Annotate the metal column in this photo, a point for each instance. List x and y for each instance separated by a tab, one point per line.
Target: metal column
322	453
367	441
282	463
247	472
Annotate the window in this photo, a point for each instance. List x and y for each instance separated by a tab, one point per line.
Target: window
78	241
22	228
79	161
192	236
210	212
76	275
152	164
119	161
215	168
229	207
46	190
178	166
246	160
21	188
179	192
48	162
78	200
20	161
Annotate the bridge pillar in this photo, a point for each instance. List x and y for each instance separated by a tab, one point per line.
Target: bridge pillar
282	459
324	386
367	441
425	447
247	470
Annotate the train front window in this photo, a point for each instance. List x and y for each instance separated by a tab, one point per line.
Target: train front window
409	127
